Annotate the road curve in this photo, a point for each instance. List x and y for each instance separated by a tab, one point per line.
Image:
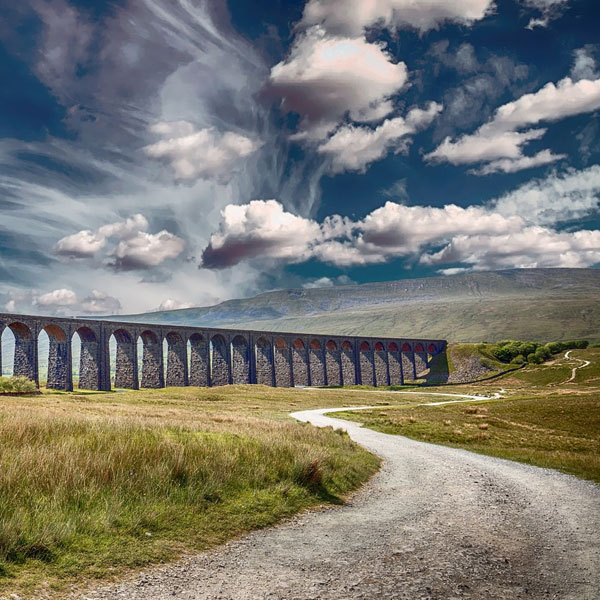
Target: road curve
435	522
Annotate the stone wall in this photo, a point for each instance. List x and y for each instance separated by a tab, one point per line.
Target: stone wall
366	368
264	362
219	362
395	367
381	368
198	361
317	367
240	360
231	356
300	366
333	367
348	367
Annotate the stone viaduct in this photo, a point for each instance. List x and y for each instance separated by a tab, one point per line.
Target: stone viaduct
216	356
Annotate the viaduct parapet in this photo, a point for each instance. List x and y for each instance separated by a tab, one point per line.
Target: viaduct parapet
215	357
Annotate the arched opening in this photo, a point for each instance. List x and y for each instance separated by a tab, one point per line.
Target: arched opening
198	360
7	351
240	360
87	371
348	360
264	362
367	371
124	370
283	370
299	363
431	349
177	369
332	363
316	363
406	347
395	364
153	375
419	348
380	365
19	351
55	366
219	361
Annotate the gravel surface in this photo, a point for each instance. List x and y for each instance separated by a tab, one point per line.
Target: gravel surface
436	523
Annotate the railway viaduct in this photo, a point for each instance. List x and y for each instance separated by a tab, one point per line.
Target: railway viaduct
216	356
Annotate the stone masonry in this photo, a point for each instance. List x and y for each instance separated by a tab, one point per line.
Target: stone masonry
216	356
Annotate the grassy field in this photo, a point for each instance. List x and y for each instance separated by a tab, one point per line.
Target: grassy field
95	484
92	484
543	420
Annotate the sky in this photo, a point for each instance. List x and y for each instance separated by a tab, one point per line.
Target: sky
158	155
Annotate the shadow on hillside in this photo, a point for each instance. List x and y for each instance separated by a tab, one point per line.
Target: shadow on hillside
439	371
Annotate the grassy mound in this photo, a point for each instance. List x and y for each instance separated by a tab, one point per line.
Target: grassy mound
17	385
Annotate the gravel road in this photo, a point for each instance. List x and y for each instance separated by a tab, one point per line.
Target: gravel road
435	523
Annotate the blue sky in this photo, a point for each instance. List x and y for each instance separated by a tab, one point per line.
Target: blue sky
163	155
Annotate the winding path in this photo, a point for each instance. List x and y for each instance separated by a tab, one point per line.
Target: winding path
575	369
435	522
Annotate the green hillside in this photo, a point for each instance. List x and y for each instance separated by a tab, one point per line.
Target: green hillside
534	304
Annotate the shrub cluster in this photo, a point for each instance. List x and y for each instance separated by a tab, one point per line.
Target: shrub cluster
17	385
515	352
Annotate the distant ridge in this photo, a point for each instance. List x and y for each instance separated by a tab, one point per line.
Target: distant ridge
536	304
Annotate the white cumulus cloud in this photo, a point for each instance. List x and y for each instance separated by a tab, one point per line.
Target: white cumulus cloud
135	247
100	303
324	78
489	236
170	304
200	153
353	148
500	145
349	17
57	298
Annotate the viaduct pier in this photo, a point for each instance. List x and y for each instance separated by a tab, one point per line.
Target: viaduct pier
202	356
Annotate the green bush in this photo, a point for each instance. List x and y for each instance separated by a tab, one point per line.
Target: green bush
534	359
17	385
518	360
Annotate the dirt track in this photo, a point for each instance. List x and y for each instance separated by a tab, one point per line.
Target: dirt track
434	523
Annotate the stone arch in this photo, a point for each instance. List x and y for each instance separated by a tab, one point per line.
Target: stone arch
406	347
264	362
240	360
153	375
219	360
431	349
316	363
299	362
367	371
332	363
89	359
60	371
177	368
198	360
126	359
348	363
395	364
380	364
282	363
419	347
25	351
